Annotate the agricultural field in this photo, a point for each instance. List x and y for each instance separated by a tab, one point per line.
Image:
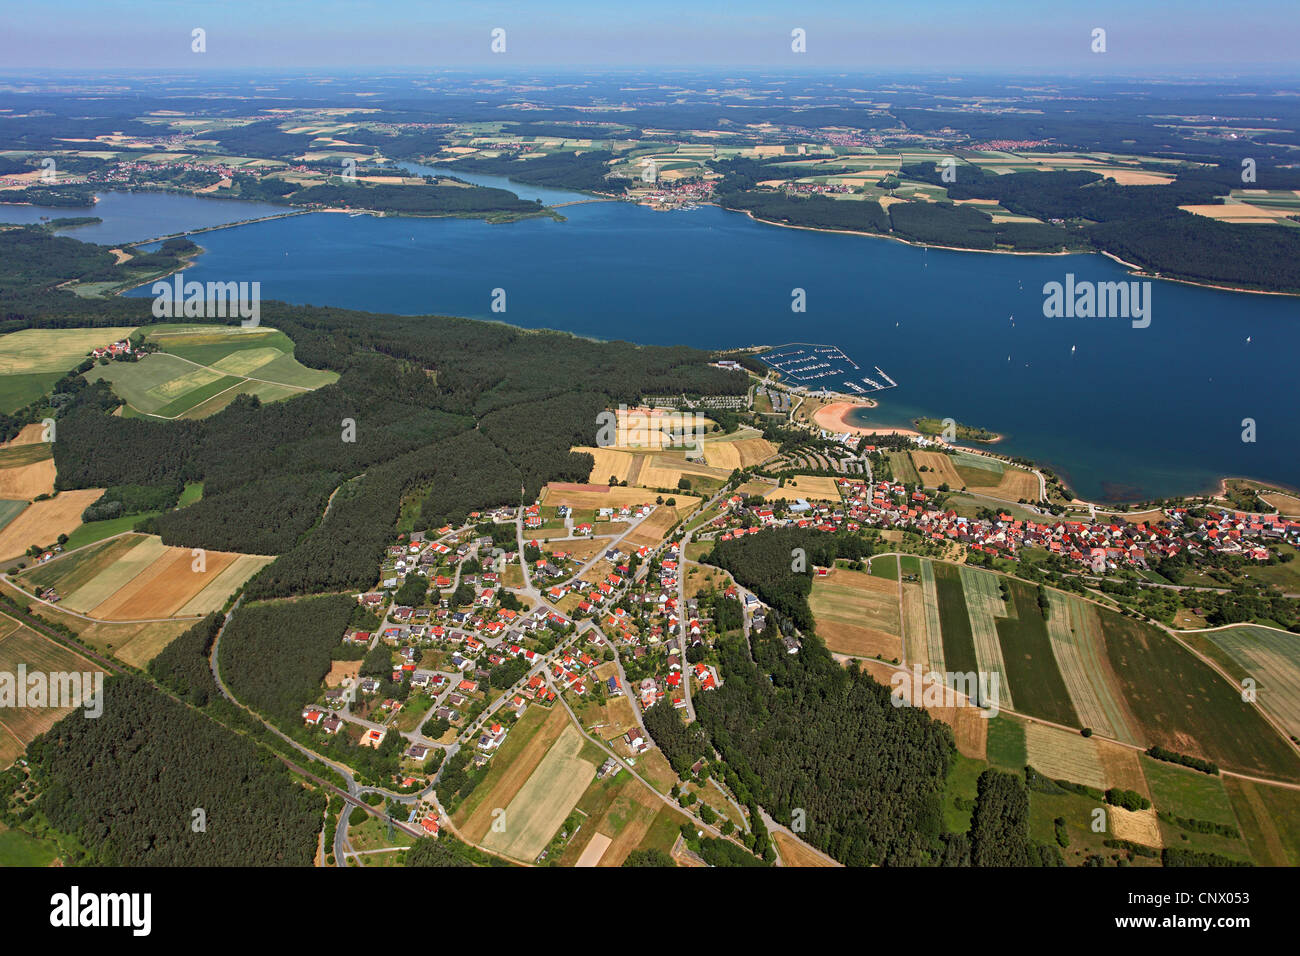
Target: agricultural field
32	360
43	521
979	474
796	854
858	614
1064	755
587	497
201	369
544	801
1197	796
729	455
985	609
1269	820
970	725
810	487
19	645
26	470
1288	505
620	812
1182	704
1272	659
954	619
1079	647
1032	672
137	577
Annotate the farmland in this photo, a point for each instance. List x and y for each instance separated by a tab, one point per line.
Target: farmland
620	813
20	645
1078	645
32	360
954	620
1272	659
1182	704
43	521
857	614
1031	668
548	795
137	577
810	487
201	369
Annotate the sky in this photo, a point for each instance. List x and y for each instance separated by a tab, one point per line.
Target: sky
1193	37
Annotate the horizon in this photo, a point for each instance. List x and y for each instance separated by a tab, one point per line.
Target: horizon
1020	37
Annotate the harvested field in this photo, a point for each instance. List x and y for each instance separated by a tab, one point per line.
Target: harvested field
213	597
1062	755
795	853
164	586
43	521
933	629
811	487
135	644
26	480
115	567
53	350
608	463
585	497
915	636
1015	485
33	434
730	455
1078	646
858	614
545	799
341	671
984	606
652	530
1288	505
594	850
68	572
1138	826
524	747
24	646
1122	767
939	469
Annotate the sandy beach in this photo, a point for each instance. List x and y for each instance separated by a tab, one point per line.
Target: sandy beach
834	418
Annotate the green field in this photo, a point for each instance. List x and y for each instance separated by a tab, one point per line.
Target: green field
954	620
1031	667
203	368
1185	706
1189	794
99	530
1269	657
20	848
32	360
9	510
885	567
1006	743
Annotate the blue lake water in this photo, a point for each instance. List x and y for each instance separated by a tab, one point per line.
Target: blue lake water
134	216
1122	413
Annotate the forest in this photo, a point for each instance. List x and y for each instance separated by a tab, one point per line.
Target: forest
129	785
791	727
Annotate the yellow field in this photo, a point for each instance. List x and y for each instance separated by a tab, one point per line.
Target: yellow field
53	350
21	645
857	614
609	463
28	481
44	521
653	529
1288	505
939	469
811	487
543	802
1239	212
604	496
794	853
1064	755
743	453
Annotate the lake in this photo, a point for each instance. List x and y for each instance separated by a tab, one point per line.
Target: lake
135	216
1122	413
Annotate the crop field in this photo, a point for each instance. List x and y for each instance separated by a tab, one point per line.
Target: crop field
21	645
1272	659
524	747
916	649
1186	793
32	360
587	497
933	619
9	510
43	521
858	614
984	606
652	530
1006	743
1183	705
811	487
741	453
1063	755
545	799
1269	820
1077	644
970	728
620	811
1285	504
954	620
1031	667
201	369
900	463
26	470
939	469
137	577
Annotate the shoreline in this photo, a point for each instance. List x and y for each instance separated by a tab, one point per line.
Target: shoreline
834	418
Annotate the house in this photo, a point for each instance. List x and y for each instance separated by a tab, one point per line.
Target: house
635	741
373	738
312	717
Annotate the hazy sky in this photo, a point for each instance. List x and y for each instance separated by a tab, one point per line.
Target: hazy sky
1142	36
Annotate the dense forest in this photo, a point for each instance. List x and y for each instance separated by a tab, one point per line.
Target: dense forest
273	657
581	171
777	565
154	783
792	726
